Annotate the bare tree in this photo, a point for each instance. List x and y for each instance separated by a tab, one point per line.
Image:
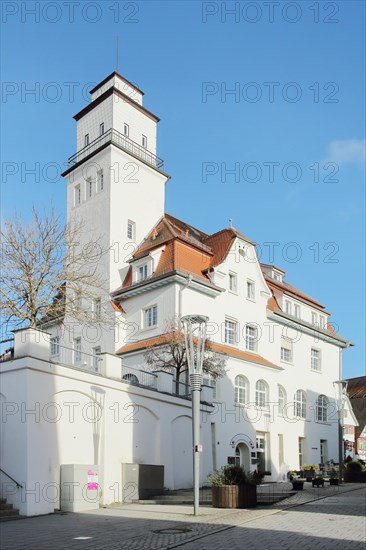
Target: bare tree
45	274
170	354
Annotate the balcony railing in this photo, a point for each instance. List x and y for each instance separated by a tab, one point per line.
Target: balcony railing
70	357
121	141
139	377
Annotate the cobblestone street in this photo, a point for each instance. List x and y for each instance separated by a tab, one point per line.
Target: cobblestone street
328	521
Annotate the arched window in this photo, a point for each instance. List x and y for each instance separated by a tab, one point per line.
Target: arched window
321	408
241	390
131	378
281	400
261	393
300	404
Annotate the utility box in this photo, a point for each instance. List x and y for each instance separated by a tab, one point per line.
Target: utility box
80	488
141	481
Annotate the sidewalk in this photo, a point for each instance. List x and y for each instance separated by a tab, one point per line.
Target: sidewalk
312	518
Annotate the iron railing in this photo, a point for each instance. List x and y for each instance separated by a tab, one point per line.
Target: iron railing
76	358
121	141
181	389
18	485
139	377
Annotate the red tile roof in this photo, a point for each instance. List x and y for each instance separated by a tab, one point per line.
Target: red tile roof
219	348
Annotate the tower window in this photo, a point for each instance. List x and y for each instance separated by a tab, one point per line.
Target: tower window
131	230
86	140
126	130
250	290
233	281
144	141
151	317
101	129
89	187
77	195
100	180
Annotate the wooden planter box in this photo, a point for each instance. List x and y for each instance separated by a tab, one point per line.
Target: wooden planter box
234	496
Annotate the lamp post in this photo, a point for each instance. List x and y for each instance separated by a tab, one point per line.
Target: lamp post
195	328
342	388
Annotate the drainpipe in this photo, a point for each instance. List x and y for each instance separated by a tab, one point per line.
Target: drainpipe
188	282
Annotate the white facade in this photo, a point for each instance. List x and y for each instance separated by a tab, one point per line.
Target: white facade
275	408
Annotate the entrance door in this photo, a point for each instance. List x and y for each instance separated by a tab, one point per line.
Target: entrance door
242	456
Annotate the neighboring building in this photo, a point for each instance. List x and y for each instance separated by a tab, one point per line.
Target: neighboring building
356	390
275	409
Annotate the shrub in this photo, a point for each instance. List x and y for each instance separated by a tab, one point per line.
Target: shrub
354	466
234	475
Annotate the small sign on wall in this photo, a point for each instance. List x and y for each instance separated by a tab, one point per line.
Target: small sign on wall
92	484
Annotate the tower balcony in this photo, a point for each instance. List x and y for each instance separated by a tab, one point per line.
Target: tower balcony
122	142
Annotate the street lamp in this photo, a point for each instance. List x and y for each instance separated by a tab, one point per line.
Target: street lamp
195	328
342	388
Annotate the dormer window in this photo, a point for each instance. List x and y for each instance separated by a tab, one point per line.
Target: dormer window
288	307
314	318
144	141
142	272
297	311
277	276
126	130
101	129
86	140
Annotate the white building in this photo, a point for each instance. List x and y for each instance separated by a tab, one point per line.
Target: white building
92	401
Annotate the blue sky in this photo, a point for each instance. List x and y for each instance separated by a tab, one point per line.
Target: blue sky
292	130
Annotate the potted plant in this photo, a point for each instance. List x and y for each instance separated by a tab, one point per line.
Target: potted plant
308	471
318	481
334	479
232	487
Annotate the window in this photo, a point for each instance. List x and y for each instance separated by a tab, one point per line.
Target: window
261	393
302	449
250	290
89	187
321	408
77	195
144	141
101	129
251	338
300	404
77	350
97	308
281	400
55	345
233	281
297	311
288	307
314	318
142	272
322	321
209	381
131	230
151	316
77	300
315	360
96	357
100	180
323	452
230	332
241	390
86	140
126	130
286	350
260	440
285	355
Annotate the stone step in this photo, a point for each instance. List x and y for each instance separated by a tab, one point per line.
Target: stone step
5	506
9	513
